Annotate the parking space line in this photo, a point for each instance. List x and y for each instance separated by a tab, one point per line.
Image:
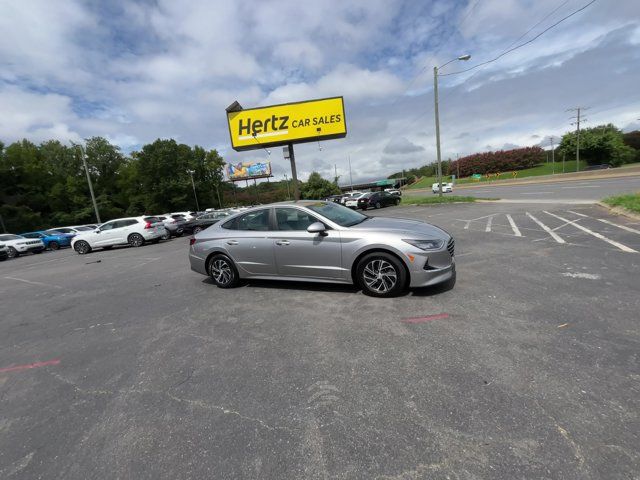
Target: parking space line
623	227
489	222
553	234
466	227
618	245
579	214
516	230
40	284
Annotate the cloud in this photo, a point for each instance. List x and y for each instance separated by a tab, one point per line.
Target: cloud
401	146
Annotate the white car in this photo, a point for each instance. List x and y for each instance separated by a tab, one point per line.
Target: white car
446	188
17	245
134	231
348	196
4	252
188	216
352	201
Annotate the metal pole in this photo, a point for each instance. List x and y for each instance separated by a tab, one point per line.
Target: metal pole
286	181
93	197
219	199
255	184
191	172
563	155
578	144
553	155
435	97
294	174
350	176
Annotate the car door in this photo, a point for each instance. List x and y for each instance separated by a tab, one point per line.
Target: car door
122	230
299	253
249	242
105	234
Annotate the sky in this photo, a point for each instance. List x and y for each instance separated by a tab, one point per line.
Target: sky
133	72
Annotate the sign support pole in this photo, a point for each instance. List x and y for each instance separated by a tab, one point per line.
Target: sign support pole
294	175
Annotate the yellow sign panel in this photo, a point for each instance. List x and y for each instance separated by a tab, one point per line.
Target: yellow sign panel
309	121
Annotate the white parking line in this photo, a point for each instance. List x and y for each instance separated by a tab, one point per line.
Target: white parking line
466	227
534	193
489	222
618	245
553	234
40	284
516	230
579	214
623	227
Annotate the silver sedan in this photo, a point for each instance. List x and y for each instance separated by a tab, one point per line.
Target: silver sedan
321	241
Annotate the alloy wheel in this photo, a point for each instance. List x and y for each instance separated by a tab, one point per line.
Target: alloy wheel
380	276
136	240
221	271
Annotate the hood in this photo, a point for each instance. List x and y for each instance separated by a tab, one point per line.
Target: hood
402	225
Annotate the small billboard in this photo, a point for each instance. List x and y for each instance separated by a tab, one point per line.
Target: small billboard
299	122
248	170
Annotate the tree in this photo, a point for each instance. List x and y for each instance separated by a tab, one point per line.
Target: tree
598	145
317	187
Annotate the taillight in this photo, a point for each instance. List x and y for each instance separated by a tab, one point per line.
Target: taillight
174	221
192	241
148	225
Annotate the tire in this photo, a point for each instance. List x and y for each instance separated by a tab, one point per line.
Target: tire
179	232
381	275
377	205
135	240
197	230
13	253
167	235
54	245
223	272
397	202
82	247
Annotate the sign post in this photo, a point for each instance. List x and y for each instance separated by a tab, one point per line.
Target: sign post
294	173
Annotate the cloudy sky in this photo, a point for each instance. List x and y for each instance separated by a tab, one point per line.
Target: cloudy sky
136	71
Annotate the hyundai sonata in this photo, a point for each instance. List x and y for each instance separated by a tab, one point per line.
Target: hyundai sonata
322	241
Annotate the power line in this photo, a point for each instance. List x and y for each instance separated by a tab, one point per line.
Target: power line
509	50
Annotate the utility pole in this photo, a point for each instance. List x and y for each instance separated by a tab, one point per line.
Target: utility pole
563	155
553	156
578	110
191	172
435	101
286	180
458	166
350	176
4	229
86	170
335	173
290	155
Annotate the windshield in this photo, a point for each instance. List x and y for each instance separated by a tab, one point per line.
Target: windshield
83	229
343	216
53	232
10	237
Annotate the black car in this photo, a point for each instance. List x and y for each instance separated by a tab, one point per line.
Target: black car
203	221
377	200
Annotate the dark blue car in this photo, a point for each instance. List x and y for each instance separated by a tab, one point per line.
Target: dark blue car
52	240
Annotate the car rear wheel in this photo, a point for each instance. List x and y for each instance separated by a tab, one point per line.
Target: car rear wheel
223	272
54	245
197	230
166	235
381	275
13	253
82	247
136	240
377	205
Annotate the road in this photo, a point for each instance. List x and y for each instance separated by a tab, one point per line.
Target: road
567	191
125	364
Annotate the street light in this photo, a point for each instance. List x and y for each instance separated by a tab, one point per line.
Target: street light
191	172
435	95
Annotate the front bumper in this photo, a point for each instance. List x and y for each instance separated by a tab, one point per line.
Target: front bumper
29	248
427	278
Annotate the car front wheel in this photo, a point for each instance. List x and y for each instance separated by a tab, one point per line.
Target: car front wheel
54	245
223	272
136	240
82	247
13	253
381	275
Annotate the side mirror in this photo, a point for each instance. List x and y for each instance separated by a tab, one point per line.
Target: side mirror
98	230
317	227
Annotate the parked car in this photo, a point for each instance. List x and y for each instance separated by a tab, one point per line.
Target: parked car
352	201
204	221
18	245
4	252
446	188
321	241
377	200
74	230
393	191
173	224
188	216
135	231
52	240
348	196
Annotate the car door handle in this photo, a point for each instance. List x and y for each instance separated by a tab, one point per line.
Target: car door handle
232	242
282	242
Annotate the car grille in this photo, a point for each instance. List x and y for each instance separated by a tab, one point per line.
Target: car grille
451	246
34	242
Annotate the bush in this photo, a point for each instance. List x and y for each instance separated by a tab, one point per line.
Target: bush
496	162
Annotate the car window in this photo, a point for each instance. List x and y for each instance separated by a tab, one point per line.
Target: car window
6	238
31	235
108	226
53	232
337	213
83	229
257	220
293	219
151	219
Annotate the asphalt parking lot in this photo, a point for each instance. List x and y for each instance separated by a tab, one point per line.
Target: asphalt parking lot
125	364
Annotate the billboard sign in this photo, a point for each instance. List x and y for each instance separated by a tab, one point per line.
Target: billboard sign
248	170
299	122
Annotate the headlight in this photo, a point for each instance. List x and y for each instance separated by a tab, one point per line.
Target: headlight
426	244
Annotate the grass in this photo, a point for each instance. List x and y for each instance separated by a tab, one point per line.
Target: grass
436	199
543	169
629	202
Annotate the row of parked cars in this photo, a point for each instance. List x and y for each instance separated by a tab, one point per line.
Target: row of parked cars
365	200
135	231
